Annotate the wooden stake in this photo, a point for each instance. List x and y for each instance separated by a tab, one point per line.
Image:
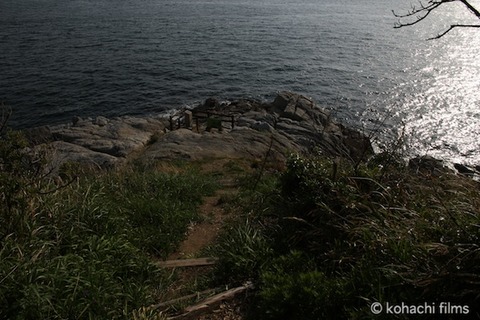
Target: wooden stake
187	262
211	303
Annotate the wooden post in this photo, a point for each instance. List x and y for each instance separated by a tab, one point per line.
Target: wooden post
188	119
171	123
233	122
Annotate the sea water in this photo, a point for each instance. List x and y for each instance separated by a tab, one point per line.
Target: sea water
63	58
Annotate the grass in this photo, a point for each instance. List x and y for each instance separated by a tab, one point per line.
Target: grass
85	250
325	240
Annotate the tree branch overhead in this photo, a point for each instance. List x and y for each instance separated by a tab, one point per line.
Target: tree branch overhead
424	8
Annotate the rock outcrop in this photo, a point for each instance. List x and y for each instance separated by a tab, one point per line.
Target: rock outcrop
251	129
100	142
291	123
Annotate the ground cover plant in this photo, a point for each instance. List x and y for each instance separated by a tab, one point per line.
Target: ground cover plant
331	238
83	248
323	239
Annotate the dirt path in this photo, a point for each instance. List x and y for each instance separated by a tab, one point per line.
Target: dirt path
213	215
203	234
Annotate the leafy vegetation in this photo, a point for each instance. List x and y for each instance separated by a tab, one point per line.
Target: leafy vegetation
329	239
323	239
83	249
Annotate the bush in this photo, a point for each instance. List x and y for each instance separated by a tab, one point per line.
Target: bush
394	236
360	234
292	288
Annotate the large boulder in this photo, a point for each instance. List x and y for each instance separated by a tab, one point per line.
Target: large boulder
63	152
101	141
428	164
299	108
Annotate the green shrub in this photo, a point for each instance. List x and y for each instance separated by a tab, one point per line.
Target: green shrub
361	233
214	123
102	278
292	288
394	235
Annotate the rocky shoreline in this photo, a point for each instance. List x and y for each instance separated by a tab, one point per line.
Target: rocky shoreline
291	123
242	129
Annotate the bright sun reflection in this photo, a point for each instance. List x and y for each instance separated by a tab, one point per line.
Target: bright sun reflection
443	117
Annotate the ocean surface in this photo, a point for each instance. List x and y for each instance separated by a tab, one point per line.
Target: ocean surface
63	58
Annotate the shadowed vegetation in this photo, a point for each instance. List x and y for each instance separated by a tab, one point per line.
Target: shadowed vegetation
323	239
328	239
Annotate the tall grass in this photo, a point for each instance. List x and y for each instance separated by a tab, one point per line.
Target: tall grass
343	236
84	250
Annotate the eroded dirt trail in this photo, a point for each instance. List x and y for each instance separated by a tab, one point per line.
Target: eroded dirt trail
204	234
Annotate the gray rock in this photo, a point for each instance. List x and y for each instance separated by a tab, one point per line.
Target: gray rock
428	164
75	120
281	101
101	121
244	122
357	143
63	152
291	123
299	108
463	169
262	126
294	112
116	138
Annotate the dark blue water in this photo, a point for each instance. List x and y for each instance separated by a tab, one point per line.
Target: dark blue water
111	57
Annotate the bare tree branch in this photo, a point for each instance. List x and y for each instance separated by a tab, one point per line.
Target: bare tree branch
471	8
418	13
423	10
454	26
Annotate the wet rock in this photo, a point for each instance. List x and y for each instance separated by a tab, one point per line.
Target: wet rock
211	103
357	143
75	120
463	169
428	164
299	108
101	121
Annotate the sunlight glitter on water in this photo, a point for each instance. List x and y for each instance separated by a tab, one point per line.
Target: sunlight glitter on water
88	58
444	120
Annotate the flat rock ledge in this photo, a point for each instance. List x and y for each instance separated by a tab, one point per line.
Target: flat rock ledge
241	129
